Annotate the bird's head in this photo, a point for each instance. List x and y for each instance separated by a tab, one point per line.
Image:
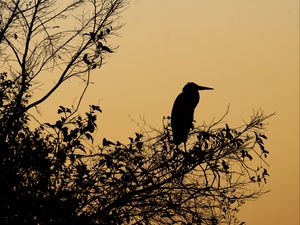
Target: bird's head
194	87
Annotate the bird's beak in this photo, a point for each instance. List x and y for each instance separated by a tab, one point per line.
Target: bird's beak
204	88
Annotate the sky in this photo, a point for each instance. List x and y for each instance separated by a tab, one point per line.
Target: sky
248	51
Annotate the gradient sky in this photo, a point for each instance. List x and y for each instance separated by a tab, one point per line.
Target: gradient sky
247	50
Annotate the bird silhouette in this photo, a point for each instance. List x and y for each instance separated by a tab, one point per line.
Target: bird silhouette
182	115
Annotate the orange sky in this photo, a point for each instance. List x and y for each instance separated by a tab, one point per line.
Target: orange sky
247	50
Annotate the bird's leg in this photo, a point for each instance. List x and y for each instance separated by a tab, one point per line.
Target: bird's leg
184	146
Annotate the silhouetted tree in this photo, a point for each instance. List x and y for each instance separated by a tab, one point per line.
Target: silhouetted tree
41	36
56	174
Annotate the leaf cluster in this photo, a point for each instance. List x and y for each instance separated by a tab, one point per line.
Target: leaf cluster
55	174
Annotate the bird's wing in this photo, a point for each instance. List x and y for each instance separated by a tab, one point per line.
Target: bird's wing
181	118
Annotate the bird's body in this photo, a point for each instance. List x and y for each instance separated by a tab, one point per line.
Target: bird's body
182	115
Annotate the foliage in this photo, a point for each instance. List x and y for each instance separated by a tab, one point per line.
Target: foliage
66	40
55	174
154	182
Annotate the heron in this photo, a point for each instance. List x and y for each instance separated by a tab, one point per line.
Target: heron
182	115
